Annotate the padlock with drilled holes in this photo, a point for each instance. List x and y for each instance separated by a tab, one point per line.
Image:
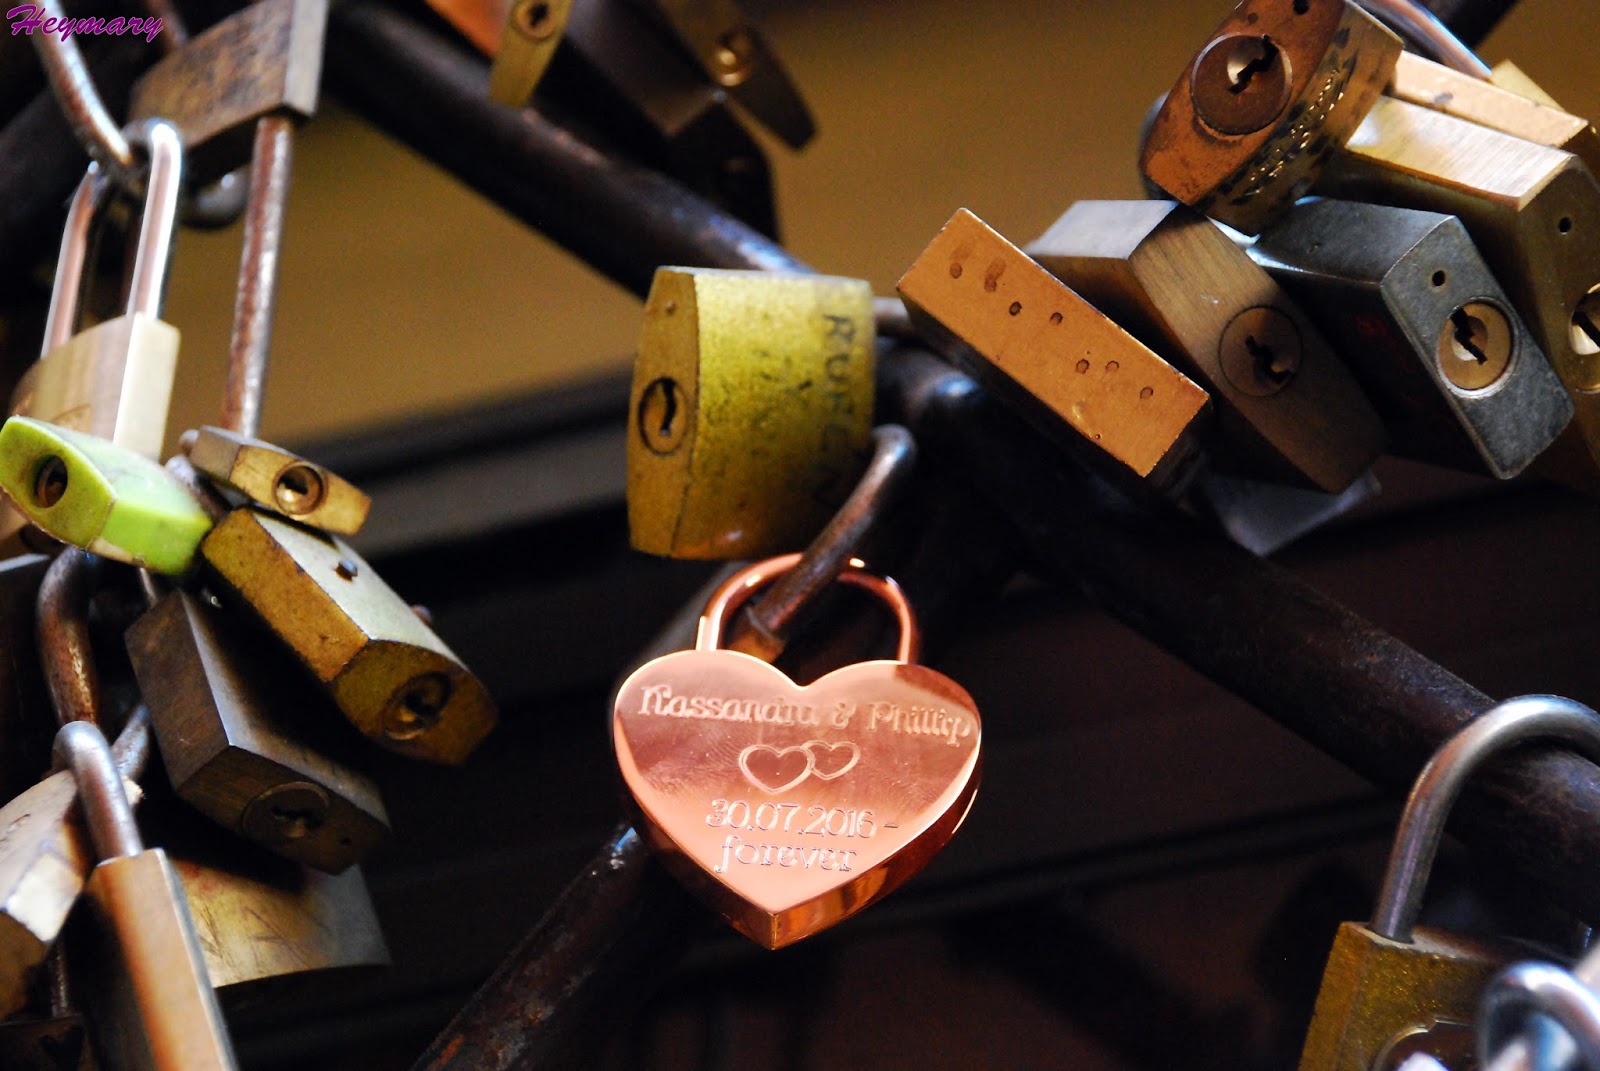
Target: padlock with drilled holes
1426	328
387	672
94	494
789	808
263	60
147	996
1070	370
1242	134
1534	214
245	739
1392	988
114	379
1287	408
751	410
278	480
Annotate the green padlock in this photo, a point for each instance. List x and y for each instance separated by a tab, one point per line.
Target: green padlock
99	496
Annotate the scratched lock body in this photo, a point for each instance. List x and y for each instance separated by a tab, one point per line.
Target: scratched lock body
751	410
790	808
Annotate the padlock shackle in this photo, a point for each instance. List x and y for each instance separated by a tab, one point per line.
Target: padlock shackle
1516	994
82	748
62	320
1528	717
732	593
158	228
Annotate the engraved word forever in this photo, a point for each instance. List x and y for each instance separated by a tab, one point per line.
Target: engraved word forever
30	19
658	699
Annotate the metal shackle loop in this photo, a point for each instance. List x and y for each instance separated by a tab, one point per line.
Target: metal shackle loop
158	228
62	320
1528	717
733	592
81	747
1545	989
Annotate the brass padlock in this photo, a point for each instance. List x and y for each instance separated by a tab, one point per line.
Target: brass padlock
1062	363
148	998
751	410
245	741
275	479
1243	133
1391	983
263	60
1287	409
114	379
1426	328
389	674
533	29
1532	211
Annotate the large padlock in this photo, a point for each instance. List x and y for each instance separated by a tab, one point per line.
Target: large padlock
751	410
114	379
1287	409
1391	986
275	479
247	741
149	1001
1426	328
1243	133
1066	367
389	674
790	808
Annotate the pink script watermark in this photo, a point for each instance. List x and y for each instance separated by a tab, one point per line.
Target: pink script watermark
30	19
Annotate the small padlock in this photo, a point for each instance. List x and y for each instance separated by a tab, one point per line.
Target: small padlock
751	410
1534	214
275	479
148	998
105	498
1391	983
532	31
236	731
263	60
790	808
1426	328
1287	409
1281	83
389	674
1074	373
114	379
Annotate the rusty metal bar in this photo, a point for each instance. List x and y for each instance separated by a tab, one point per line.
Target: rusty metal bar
256	300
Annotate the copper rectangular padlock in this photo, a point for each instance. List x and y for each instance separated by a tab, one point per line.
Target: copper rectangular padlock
1243	133
1426	328
1532	211
241	741
1063	364
390	675
1287	409
751	410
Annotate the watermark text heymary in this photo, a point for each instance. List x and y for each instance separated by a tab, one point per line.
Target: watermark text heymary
30	19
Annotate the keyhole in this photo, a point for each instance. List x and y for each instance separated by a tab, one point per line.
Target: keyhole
1470	336
50	481
1586	324
294	822
536	21
661	425
735	55
1273	368
1242	67
418	708
299	489
1241	83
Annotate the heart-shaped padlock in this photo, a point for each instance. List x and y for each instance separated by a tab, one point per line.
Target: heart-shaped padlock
790	808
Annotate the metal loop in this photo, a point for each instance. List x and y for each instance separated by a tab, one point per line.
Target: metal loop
1423	27
1416	843
81	747
61	621
158	228
1545	989
732	593
79	100
61	323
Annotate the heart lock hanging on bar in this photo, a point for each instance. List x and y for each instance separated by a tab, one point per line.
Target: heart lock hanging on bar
790	808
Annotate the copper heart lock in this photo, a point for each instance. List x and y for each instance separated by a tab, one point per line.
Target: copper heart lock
790	808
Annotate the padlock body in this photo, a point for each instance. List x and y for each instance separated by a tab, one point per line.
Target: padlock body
1394	288
113	380
751	410
1066	367
239	737
149	999
388	673
1287	409
533	28
1377	992
1329	63
277	480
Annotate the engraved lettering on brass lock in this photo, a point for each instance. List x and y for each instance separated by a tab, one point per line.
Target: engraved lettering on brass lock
1475	346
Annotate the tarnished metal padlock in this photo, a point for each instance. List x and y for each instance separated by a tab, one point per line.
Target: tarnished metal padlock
1287	409
1063	364
1389	984
1243	133
389	674
751	410
241	741
1426	328
533	29
275	479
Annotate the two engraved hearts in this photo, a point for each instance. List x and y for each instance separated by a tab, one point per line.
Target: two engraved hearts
778	769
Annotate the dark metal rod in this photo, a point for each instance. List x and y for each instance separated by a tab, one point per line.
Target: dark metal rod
258	275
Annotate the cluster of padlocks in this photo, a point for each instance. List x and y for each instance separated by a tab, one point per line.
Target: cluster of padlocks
1350	251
